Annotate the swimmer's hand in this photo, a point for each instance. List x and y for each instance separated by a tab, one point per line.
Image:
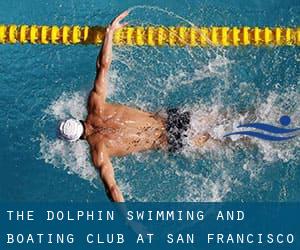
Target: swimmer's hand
105	57
115	24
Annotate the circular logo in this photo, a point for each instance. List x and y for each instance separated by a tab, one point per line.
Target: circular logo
285	120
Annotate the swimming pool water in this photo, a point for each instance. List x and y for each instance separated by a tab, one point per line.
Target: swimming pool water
42	84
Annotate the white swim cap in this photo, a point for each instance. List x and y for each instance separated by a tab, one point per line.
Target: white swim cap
70	130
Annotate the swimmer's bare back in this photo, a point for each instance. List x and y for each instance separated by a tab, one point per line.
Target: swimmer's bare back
113	129
124	130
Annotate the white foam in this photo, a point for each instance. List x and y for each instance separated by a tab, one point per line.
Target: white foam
271	110
211	188
68	105
216	120
213	116
72	157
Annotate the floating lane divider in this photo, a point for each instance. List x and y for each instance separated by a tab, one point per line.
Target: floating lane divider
152	35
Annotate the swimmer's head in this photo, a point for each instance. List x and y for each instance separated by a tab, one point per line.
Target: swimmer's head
70	130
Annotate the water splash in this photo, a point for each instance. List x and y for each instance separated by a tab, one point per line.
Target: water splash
74	158
210	84
192	186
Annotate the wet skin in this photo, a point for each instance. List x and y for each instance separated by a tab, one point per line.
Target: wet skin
118	130
123	130
112	129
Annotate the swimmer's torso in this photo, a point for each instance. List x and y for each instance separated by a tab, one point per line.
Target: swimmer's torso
124	130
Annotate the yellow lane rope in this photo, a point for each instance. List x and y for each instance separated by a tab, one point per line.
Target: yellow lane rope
152	35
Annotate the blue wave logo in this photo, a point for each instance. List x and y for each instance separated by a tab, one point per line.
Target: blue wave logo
279	133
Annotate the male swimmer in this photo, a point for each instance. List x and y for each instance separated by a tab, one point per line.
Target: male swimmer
117	130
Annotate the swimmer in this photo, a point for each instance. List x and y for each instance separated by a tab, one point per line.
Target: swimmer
114	130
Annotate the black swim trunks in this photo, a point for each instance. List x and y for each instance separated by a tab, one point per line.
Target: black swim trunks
177	125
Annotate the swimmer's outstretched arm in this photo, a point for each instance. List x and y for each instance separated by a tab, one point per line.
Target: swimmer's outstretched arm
105	56
103	164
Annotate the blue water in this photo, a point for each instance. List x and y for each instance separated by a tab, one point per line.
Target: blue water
42	84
